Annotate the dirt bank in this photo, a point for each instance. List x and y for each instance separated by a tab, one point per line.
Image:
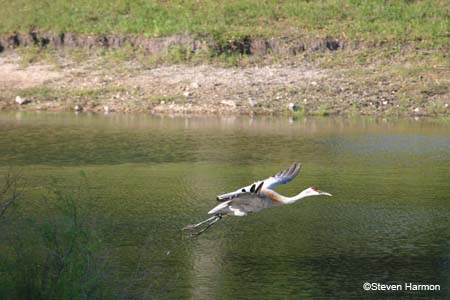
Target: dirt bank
296	84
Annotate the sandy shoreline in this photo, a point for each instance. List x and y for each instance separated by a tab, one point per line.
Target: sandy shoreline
94	85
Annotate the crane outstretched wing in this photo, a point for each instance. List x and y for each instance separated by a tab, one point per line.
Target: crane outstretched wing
279	178
244	202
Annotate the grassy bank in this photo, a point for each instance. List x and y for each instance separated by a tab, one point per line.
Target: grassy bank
391	57
425	22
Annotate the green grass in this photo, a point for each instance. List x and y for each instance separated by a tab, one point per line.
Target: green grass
41	91
33	54
424	22
322	110
47	93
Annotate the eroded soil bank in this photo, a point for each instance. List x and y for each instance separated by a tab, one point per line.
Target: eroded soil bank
322	77
188	42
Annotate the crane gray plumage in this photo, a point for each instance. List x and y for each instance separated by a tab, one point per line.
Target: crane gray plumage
255	197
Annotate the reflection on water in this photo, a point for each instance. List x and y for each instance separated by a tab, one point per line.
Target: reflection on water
150	176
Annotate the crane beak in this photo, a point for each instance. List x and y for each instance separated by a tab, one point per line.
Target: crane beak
324	194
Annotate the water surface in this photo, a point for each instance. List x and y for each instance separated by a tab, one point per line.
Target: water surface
387	222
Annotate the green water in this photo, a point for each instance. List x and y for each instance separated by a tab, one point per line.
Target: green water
388	221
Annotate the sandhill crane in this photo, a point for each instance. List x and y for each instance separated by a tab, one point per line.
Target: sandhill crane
255	197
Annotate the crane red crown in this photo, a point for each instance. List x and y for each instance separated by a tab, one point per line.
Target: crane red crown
314	188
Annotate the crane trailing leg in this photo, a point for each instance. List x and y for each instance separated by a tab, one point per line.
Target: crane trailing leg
209	222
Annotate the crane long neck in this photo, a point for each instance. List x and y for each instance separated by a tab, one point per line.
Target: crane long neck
280	199
289	200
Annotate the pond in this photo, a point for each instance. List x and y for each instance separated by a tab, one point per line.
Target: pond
148	176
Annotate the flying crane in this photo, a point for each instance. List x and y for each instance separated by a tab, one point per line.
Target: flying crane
255	197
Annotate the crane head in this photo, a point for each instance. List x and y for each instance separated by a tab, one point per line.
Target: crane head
314	191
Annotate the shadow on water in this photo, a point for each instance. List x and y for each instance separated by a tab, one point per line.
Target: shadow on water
147	177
